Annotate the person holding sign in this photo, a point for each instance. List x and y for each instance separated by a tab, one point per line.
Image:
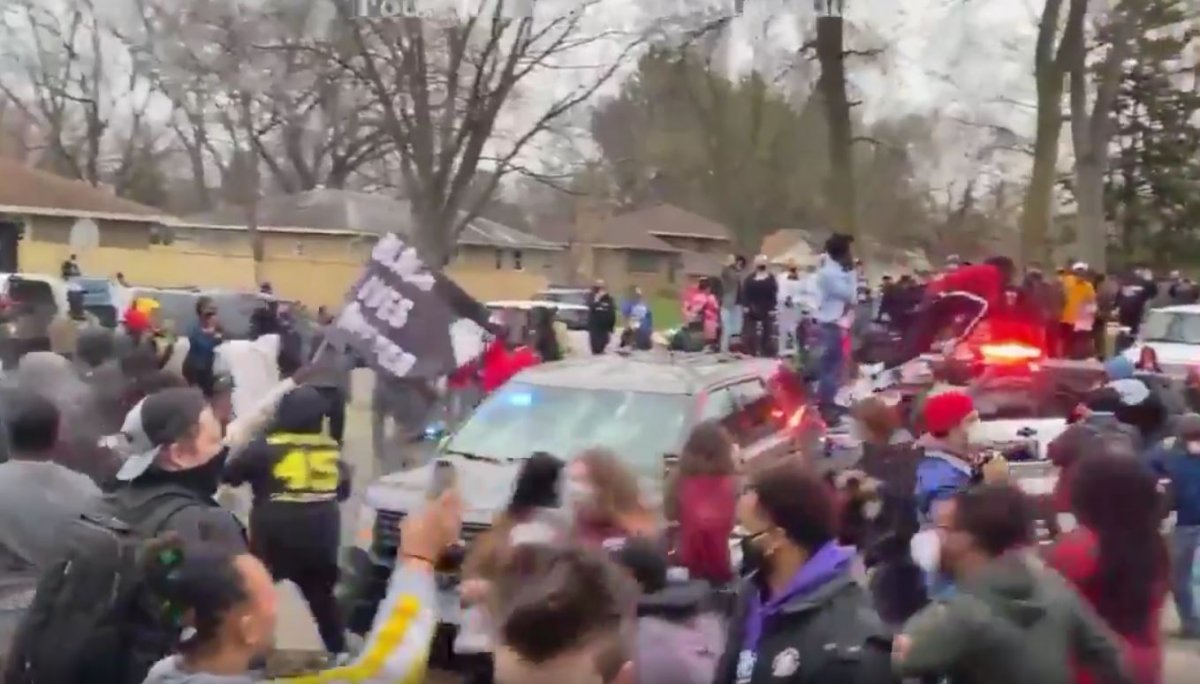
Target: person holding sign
298	478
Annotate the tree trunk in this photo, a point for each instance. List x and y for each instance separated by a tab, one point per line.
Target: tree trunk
832	86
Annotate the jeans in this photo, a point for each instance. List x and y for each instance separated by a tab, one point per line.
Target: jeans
829	368
1184	542
731	324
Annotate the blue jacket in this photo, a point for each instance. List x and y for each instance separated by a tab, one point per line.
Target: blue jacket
837	292
1183	470
940	475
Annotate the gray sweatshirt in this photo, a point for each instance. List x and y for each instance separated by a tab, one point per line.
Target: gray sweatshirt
408	610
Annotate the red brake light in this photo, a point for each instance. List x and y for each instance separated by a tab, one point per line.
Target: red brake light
1010	352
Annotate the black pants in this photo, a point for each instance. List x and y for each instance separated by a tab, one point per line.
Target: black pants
758	333
314	571
934	317
335	411
476	668
599	340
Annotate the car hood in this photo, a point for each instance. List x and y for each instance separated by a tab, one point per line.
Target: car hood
1001	432
1174	357
485	488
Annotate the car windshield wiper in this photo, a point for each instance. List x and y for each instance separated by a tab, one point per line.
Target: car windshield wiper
476	457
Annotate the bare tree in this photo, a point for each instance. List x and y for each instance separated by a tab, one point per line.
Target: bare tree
92	120
440	87
1051	63
237	83
1092	127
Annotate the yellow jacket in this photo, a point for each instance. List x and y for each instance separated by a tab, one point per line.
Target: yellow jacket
1077	293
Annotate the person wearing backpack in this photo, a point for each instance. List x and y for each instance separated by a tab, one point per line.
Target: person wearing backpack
93	618
298	479
802	616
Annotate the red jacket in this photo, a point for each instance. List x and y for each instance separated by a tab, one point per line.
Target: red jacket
981	280
500	365
707	509
1076	557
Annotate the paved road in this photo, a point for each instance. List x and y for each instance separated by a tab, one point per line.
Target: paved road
297	630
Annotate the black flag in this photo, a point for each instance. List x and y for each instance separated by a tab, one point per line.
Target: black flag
407	321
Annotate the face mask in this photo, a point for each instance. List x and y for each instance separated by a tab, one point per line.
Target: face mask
1193	448
206	479
754	559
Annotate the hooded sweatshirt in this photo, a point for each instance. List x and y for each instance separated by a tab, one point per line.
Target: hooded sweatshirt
679	639
283	502
1013	621
396	650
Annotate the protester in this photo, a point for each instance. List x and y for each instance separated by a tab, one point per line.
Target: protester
65	328
70	268
1117	558
543	338
732	277
701	497
1148	361
228	606
1079	312
1010	619
946	467
800	616
602	317
1137	290
605	500
298	479
639	321
1179	462
760	292
205	336
565	615
835	304
37	495
680	632
1098	426
701	315
790	307
331	377
532	517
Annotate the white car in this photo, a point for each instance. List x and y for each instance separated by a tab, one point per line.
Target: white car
1173	332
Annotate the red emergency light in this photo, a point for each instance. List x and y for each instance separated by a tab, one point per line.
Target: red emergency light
1010	352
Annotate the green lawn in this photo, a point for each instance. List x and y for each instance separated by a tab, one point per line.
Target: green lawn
666	311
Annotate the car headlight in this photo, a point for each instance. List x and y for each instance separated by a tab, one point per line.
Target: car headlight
364	534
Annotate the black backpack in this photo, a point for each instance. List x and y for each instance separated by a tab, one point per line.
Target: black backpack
93	617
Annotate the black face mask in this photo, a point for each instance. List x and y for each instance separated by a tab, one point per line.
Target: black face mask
204	479
753	558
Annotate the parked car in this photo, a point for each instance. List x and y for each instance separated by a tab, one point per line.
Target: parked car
102	298
1173	332
28	301
576	315
641	405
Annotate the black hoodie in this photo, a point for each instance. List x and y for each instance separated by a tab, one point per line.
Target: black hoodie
296	474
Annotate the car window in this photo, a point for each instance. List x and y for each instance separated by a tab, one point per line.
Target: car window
36	293
1171	326
755	416
717	405
521	418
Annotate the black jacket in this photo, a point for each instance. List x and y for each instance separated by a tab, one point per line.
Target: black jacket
602	314
297	477
832	636
760	294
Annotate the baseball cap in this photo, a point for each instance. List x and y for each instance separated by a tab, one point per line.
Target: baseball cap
946	411
158	420
1079	266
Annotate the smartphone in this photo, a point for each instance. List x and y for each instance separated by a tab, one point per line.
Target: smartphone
444	478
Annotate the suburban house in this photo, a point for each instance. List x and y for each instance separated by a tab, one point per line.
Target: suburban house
804	248
42	215
336	228
659	248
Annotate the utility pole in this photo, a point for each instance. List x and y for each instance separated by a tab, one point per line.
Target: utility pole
832	86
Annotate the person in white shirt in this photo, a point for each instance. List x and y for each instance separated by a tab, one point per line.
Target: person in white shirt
791	312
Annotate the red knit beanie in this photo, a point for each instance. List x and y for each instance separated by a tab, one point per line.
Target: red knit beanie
944	412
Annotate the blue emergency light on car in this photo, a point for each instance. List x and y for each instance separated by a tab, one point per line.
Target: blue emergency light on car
521	399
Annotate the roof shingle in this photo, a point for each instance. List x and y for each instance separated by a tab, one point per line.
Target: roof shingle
33	191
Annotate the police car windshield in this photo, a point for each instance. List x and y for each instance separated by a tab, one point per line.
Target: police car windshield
521	418
1172	326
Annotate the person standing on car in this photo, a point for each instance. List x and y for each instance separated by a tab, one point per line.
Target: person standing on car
760	292
732	276
1138	290
1011	620
836	290
602	317
298	478
790	303
801	616
70	268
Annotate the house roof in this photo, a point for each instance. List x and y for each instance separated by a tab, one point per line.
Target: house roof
612	233
26	190
670	220
785	240
360	213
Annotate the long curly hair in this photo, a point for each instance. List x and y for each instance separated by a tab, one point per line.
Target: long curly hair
1116	497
